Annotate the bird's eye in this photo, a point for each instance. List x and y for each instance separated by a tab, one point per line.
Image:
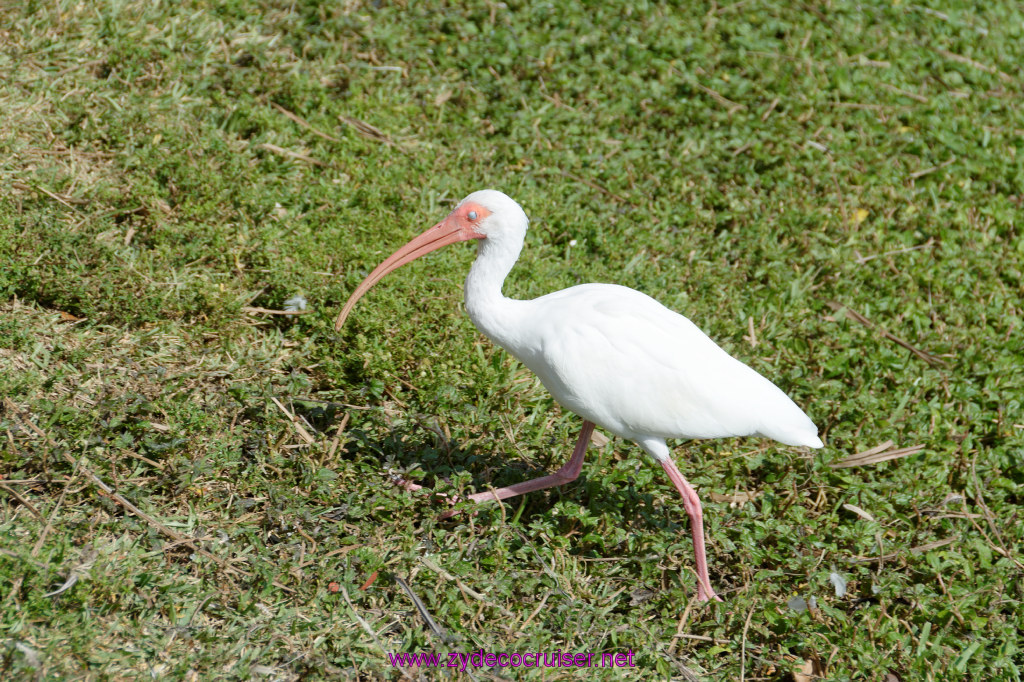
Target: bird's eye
471	215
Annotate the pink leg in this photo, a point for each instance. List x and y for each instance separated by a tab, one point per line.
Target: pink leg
569	472
693	510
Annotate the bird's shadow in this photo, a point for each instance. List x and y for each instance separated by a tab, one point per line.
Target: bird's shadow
423	454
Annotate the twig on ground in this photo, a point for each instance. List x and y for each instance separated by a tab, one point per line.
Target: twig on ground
60	198
926	171
906	93
979	499
864	259
370	132
1003	76
743	645
732	107
422	608
25	503
857	317
879	453
533	614
304	123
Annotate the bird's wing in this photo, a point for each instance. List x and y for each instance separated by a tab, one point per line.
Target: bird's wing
619	358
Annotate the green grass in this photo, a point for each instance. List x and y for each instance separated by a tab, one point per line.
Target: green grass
747	164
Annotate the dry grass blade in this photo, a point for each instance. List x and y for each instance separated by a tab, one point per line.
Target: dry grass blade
920	549
751	336
304	123
731	106
879	453
933	360
252	310
547	569
370	132
82	569
466	590
881	447
1001	547
303	433
1003	76
702	638
366	627
533	614
288	153
67	201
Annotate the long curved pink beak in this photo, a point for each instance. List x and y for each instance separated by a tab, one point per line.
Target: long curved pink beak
446	232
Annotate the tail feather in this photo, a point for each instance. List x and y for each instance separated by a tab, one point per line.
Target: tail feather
783	420
799	430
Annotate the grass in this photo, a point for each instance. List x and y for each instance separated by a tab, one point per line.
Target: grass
771	172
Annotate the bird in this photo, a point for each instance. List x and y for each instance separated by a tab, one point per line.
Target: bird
612	355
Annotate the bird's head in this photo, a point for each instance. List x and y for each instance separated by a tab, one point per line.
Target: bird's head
493	215
487	214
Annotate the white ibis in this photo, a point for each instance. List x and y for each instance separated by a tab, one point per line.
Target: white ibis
614	356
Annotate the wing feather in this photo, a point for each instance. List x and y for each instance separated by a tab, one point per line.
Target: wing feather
619	358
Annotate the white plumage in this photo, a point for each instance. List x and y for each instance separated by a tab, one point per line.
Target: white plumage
611	354
622	360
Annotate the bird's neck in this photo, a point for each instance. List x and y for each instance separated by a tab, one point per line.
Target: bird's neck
491	312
